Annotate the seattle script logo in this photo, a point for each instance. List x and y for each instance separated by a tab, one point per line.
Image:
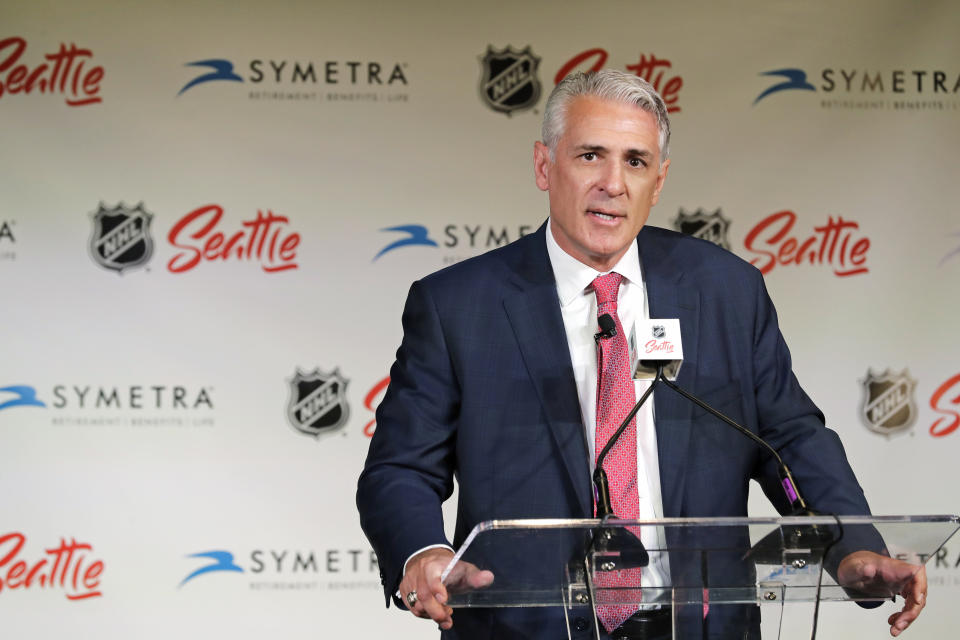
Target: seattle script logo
834	243
265	239
64	567
63	73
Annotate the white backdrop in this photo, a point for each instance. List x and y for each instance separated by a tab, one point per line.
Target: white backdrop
164	428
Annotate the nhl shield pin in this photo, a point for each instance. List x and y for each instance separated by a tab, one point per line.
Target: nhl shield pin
509	81
318	402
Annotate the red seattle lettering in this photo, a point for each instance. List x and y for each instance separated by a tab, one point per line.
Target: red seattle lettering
599	54
951	420
260	240
831	244
63	73
375	394
670	91
45	574
652	346
645	69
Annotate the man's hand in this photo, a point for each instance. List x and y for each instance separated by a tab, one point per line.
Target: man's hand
875	574
423	578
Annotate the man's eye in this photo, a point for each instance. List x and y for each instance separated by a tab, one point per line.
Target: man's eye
637	163
589	156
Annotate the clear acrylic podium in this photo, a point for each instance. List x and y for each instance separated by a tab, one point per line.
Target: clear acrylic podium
785	565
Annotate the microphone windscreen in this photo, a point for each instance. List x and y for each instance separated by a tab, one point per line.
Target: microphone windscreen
608	328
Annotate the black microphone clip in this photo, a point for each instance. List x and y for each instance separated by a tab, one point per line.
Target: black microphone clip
608	328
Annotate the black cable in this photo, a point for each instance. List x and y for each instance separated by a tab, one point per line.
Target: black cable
787	482
626	421
826	550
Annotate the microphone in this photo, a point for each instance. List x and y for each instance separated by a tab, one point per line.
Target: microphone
662	346
608	328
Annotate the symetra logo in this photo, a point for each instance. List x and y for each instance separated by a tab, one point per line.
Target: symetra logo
222	70
286	569
134	405
415	234
306	80
474	238
221	561
795	79
866	89
24	397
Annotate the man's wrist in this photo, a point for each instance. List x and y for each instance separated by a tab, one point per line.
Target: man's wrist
417	552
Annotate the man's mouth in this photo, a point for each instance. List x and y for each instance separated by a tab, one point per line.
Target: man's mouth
603	215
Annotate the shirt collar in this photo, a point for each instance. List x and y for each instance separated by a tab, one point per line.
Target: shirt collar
573	277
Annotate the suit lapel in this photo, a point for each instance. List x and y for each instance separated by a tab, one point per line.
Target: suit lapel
533	310
667	297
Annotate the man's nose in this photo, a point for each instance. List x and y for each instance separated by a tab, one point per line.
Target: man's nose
612	180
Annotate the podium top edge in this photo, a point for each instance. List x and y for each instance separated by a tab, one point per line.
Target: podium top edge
580	523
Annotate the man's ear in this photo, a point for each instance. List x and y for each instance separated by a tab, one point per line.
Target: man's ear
541	165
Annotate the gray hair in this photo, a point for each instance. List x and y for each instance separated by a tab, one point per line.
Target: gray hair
608	84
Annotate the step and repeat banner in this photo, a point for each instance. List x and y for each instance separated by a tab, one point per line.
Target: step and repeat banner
210	214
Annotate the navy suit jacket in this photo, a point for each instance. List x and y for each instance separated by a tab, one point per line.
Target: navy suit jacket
483	389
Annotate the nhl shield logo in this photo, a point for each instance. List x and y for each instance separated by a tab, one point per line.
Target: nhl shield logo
888	406
659	331
317	402
706	226
509	82
121	237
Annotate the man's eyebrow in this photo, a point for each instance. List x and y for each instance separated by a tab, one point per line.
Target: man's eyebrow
639	153
591	147
599	148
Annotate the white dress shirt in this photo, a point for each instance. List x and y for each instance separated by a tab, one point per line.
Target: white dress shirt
578	305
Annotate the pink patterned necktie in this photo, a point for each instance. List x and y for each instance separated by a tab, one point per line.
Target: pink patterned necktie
615	398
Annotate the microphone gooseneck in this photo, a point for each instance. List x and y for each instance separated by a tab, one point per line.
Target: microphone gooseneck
604	505
789	485
629	549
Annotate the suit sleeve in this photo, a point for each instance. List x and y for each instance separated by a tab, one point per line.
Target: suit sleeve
795	427
410	465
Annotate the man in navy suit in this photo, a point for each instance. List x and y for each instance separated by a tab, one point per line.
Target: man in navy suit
496	378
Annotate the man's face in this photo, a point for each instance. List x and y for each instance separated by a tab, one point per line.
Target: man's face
605	177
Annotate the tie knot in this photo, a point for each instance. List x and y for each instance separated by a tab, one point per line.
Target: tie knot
606	288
